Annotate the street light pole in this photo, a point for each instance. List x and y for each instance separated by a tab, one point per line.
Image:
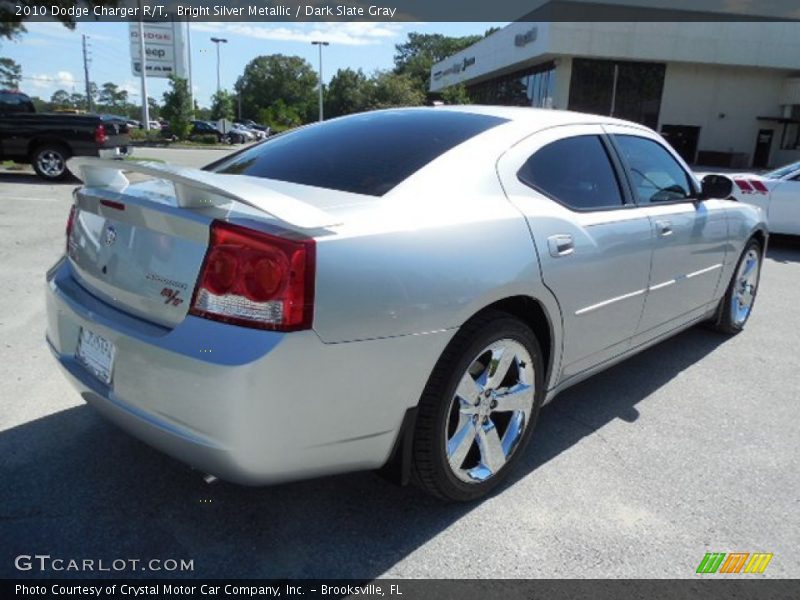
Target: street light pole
218	41
320	44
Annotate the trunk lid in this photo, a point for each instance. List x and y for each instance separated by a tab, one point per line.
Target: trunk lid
141	247
137	252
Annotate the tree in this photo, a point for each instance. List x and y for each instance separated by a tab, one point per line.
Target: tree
280	116
222	106
267	79
177	107
391	89
77	100
10	73
456	94
348	92
112	96
420	51
154	110
60	99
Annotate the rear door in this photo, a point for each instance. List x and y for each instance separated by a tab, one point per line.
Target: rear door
593	243
689	236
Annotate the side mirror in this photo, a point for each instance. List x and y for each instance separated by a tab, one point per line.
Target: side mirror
716	186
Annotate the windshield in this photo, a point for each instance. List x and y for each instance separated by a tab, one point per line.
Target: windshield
783	171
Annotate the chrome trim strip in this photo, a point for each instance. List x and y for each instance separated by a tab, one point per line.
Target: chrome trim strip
668	283
610	301
706	270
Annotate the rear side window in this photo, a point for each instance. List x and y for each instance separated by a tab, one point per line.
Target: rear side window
576	171
368	153
15	103
657	176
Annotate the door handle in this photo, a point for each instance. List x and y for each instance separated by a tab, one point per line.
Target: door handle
664	228
561	245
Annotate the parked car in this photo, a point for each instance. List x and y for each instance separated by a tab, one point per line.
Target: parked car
777	193
257	126
255	134
155	125
47	140
400	289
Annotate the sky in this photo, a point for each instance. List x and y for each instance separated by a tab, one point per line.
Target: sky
51	57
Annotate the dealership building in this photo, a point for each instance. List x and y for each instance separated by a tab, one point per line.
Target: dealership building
724	94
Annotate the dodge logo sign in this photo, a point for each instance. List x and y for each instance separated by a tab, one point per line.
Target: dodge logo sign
111	236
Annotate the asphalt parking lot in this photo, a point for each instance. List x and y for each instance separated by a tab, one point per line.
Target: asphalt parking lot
688	448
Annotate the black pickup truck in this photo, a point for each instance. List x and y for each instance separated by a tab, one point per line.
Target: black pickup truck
47	140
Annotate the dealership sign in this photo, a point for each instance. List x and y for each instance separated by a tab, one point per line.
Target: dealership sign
164	48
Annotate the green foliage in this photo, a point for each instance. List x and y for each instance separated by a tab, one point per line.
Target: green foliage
348	92
112	97
456	94
177	107
420	51
10	73
222	106
269	79
205	139
60	99
391	89
280	116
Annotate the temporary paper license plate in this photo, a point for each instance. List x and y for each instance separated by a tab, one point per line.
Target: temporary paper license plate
96	353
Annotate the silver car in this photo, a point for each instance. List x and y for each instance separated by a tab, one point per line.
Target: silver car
401	289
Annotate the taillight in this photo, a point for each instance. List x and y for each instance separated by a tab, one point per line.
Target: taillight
71	222
256	279
100	136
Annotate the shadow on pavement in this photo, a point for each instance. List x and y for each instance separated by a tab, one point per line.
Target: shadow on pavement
784	248
77	487
30	177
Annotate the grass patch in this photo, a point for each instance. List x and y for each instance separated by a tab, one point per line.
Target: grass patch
143	159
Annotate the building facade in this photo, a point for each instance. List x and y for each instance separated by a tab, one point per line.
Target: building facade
724	94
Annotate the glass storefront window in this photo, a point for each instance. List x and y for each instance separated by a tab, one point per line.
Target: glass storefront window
531	87
622	89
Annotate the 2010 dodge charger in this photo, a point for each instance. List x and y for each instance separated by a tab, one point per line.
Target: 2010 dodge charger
404	287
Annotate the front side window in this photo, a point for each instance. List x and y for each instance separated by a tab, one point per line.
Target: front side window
657	176
576	171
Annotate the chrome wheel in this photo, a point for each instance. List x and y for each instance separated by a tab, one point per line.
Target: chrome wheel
51	163
490	410
744	286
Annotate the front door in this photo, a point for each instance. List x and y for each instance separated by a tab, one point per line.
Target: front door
763	147
593	244
689	235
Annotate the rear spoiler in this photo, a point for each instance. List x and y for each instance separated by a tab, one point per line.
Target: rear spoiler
195	188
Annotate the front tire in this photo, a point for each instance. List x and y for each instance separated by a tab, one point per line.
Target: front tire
479	408
737	305
50	162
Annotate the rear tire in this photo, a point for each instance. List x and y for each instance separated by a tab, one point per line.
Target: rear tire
737	304
479	408
50	162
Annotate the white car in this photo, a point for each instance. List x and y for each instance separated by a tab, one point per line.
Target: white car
777	193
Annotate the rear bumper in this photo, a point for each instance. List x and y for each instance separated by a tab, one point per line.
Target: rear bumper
249	406
116	152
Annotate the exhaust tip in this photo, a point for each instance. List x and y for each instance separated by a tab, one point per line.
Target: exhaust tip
209	478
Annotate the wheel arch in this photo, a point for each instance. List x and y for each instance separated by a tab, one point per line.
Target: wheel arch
527	309
38	142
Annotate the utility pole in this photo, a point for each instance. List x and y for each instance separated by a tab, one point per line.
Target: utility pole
189	52
86	76
320	44
143	66
218	41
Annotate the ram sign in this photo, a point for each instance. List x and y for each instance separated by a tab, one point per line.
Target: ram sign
164	47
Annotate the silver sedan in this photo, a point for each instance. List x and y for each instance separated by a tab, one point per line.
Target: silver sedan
400	289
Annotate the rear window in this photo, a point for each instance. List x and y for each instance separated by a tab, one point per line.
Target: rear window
368	153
